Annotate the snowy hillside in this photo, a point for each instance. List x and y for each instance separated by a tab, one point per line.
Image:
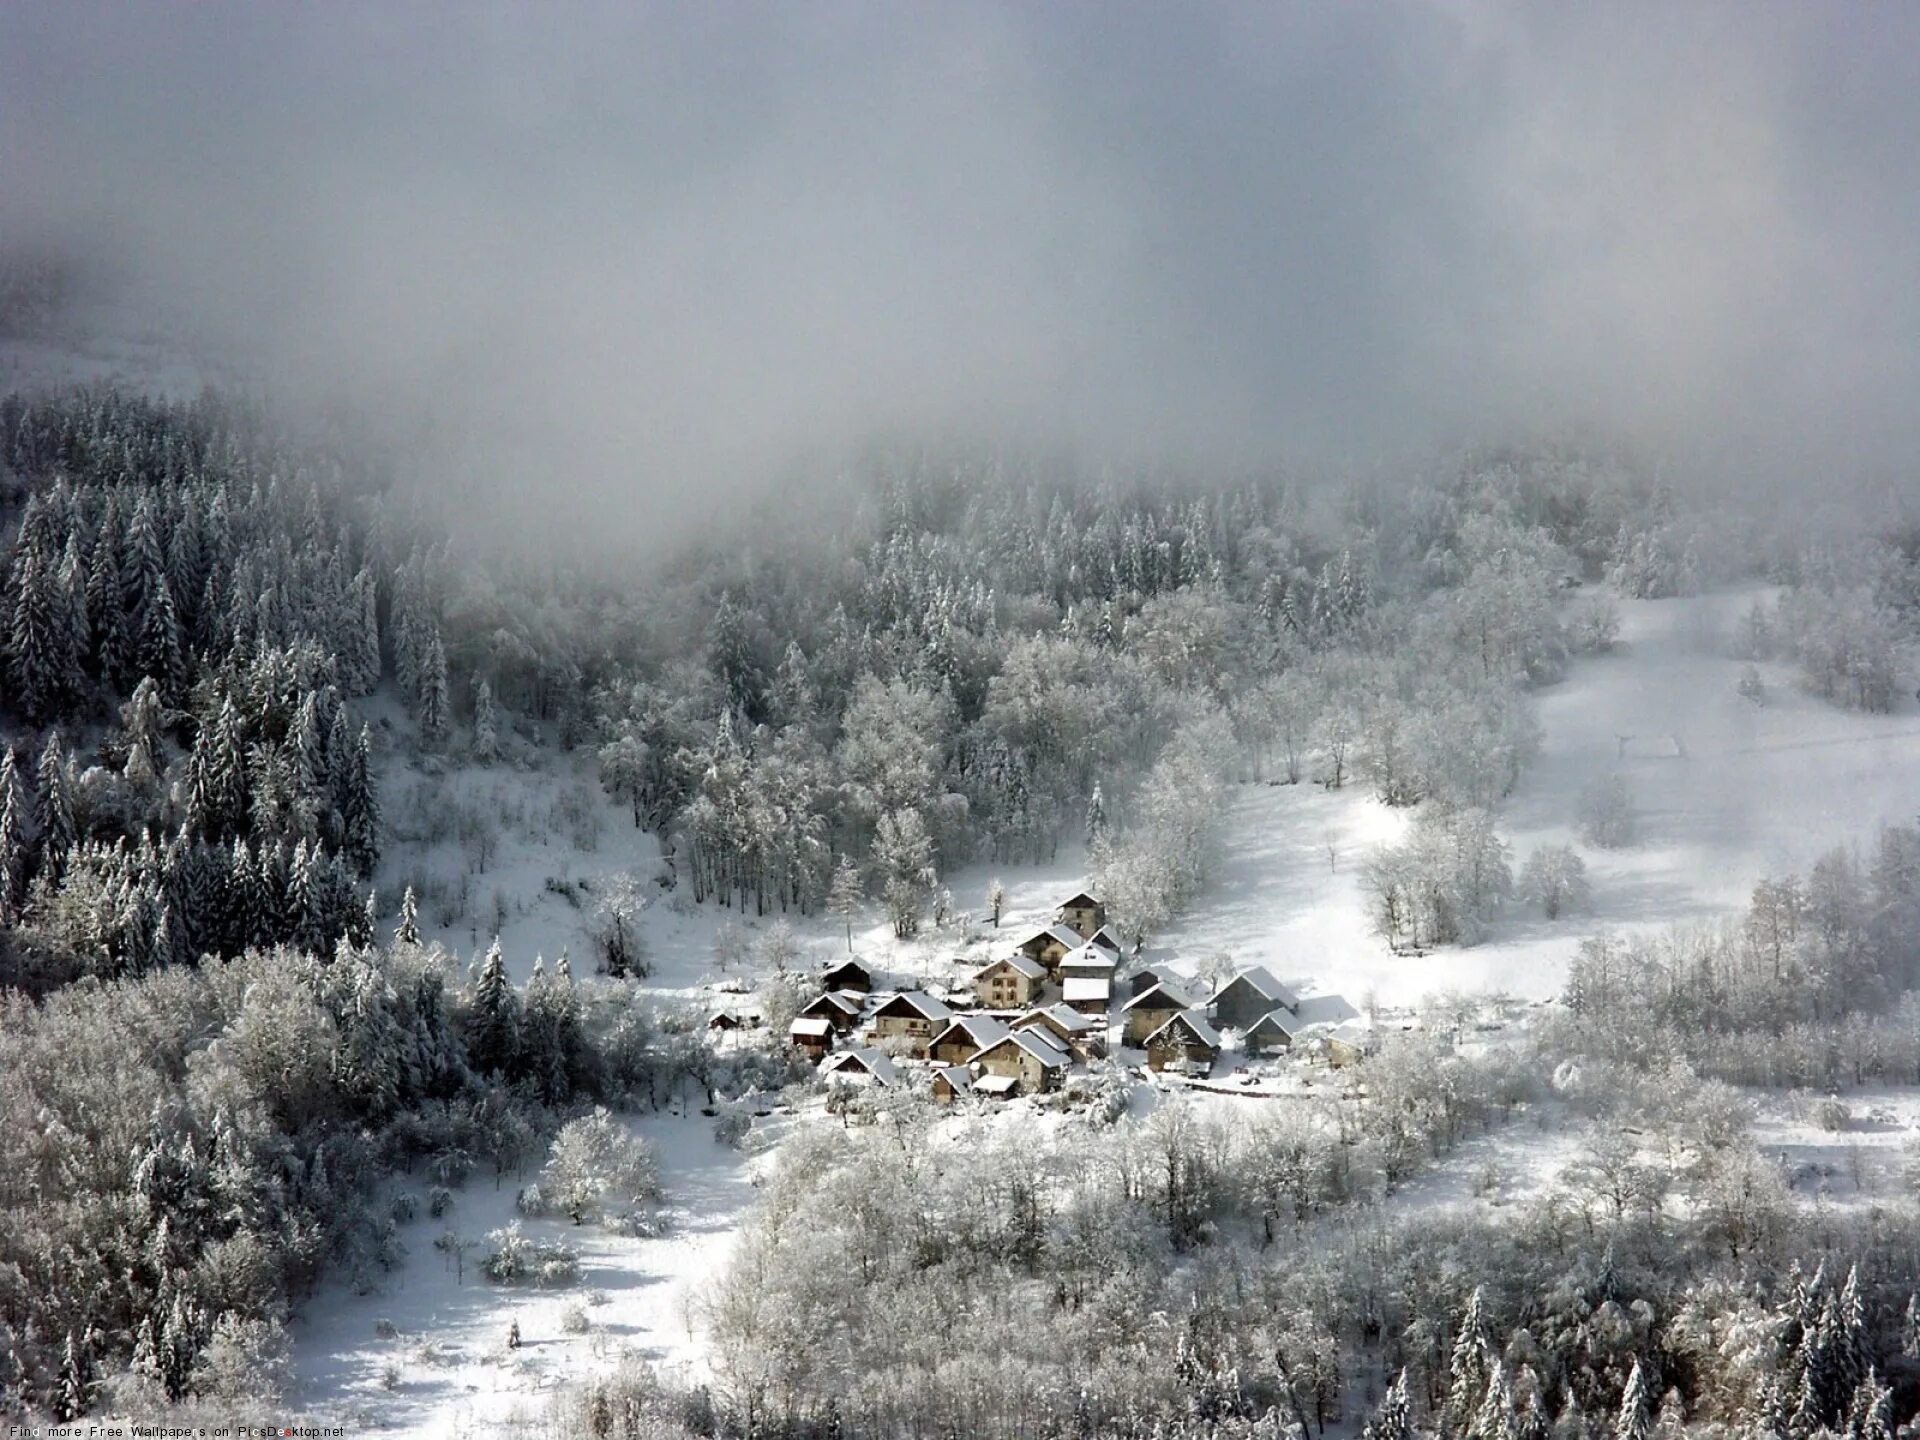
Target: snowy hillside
1727	792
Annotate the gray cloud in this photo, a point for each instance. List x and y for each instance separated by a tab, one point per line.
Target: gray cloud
631	262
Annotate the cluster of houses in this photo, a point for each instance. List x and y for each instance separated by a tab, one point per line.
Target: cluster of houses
1048	1005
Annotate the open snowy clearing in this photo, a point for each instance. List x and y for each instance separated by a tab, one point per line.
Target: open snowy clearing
426	1353
1757	791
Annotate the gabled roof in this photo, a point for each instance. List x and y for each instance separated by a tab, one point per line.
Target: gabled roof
1088	957
1324	1010
1072	939
919	1003
1077	901
1032	969
843	967
847	1002
980	1030
1106	939
1086	987
1036	1042
958	1076
867	1061
1163	993
1067	1019
1194	1023
810	1025
1261	981
995	1084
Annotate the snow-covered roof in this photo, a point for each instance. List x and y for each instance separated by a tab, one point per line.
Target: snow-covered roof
1088	957
1074	902
1358	1033
1193	1022
1261	980
958	1076
1037	1042
1086	987
1070	1020
981	1030
847	1002
843	967
1159	995
921	1003
865	1061
810	1025
995	1084
1324	1010
1020	964
1070	938
1106	939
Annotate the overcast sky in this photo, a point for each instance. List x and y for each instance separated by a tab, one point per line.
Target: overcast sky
640	256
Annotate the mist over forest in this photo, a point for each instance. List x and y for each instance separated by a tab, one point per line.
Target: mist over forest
872	723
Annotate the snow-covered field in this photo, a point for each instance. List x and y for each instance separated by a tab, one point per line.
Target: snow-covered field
1727	792
1757	791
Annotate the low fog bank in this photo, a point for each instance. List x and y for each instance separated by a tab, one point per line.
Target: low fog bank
609	272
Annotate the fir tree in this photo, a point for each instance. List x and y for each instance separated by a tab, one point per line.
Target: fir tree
36	665
13	840
359	809
408	931
53	811
1394	1419
486	735
1635	1418
433	693
1096	818
72	1398
158	650
218	800
1467	1371
1496	1419
493	1031
1872	1412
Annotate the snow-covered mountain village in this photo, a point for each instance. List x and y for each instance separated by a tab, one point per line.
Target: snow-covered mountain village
960	723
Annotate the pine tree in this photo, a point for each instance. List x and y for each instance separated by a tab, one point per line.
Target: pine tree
360	654
408	931
1394	1419
13	840
1096	818
1467	1372
493	1038
1910	1328
75	634
218	800
486	734
1496	1419
360	810
312	768
433	693
1635	1420
306	897
36	665
158	651
53	811
71	1399
106	601
1872	1413
1852	1356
